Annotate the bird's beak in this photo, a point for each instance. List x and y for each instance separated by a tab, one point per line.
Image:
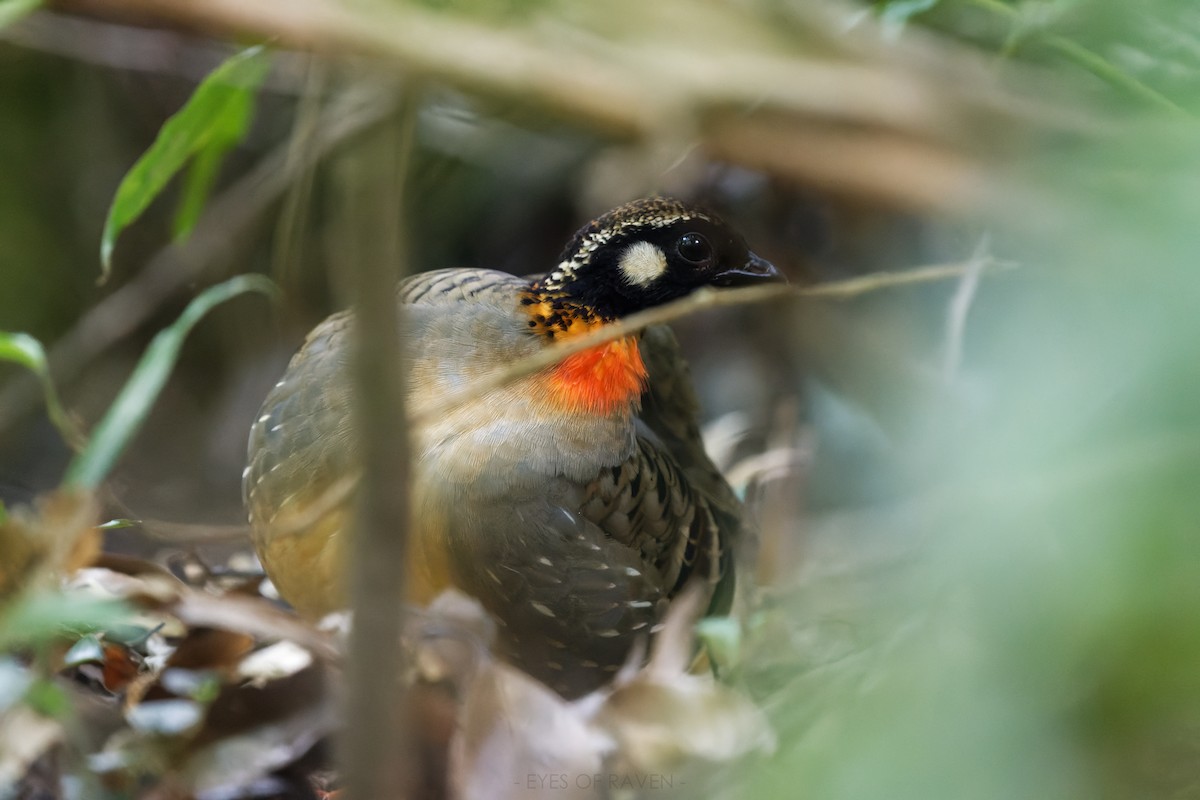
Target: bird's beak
755	270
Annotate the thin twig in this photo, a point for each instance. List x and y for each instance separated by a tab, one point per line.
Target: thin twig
877	281
704	298
252	615
136	49
960	307
192	533
290	230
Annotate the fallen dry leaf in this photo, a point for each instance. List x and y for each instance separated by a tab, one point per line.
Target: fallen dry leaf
451	638
55	537
120	667
24	736
273	662
661	724
252	731
518	738
664	715
252	616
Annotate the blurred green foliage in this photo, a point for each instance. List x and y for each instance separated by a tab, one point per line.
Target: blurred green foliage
40	616
1043	638
1148	51
13	10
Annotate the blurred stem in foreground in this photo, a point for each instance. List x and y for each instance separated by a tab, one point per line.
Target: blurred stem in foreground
376	758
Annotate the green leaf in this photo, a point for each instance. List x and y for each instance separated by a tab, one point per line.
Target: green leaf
87	650
197	186
13	10
215	117
38	617
23	349
118	524
127	413
202	173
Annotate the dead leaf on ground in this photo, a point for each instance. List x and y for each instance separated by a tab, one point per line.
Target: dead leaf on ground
24	736
518	738
54	537
251	731
665	715
252	616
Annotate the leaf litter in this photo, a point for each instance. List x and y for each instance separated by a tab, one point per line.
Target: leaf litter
215	691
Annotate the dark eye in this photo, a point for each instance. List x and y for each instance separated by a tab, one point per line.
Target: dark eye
694	248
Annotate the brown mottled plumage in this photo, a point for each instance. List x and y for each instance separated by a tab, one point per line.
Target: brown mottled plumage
573	503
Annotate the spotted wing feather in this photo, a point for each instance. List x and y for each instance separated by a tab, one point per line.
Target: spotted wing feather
670	416
570	601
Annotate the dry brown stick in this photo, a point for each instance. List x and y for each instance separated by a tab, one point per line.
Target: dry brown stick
743	94
180	533
192	533
702	298
868	162
138	49
466	54
630	83
336	494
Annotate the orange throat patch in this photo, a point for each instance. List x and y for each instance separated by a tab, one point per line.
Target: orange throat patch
604	379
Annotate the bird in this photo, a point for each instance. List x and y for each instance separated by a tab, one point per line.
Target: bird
575	504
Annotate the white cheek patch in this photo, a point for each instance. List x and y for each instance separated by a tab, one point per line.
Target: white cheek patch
643	263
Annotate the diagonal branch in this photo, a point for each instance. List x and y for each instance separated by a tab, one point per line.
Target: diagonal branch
702	299
937	119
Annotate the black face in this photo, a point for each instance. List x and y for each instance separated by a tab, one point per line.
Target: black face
644	265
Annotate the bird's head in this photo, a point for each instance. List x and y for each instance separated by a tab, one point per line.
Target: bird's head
640	255
650	252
